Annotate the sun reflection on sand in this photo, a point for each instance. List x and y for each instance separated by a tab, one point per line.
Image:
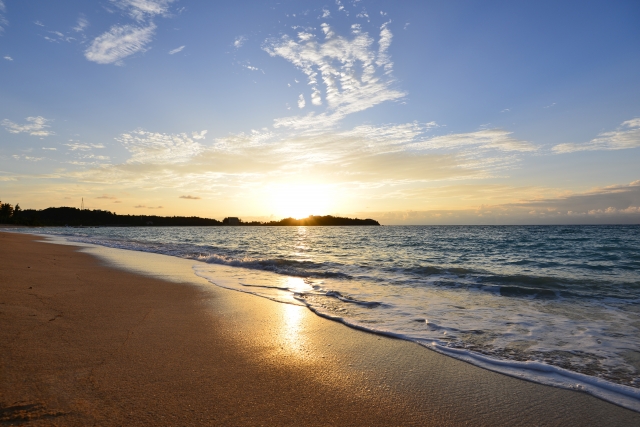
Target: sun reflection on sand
290	330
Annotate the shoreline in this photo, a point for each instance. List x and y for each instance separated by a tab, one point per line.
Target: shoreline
265	349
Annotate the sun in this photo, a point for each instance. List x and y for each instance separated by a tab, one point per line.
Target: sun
299	200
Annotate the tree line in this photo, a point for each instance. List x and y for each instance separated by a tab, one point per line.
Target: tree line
74	217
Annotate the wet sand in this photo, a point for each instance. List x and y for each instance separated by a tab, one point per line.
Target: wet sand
112	337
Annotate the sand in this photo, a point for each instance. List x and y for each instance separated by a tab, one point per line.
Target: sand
92	337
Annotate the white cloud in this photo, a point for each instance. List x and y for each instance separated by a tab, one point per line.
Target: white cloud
27	158
354	74
239	41
49	149
78	146
118	43
143	9
176	50
490	139
3	20
39	24
36	126
199	135
626	136
161	148
8	58
81	25
326	13
301	102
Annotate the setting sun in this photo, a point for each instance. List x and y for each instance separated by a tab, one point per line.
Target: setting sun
299	200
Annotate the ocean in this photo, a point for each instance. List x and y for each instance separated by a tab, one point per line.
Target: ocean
558	305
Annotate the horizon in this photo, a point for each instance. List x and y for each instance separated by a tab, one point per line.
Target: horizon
467	113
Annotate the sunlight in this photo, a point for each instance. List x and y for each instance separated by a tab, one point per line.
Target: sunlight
299	200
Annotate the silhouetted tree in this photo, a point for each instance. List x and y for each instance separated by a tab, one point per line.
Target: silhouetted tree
6	211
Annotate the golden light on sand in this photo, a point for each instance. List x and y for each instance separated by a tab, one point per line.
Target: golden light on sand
299	200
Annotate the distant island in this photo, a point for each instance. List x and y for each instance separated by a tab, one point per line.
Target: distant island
74	217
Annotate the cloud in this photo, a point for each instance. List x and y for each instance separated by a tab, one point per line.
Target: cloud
81	25
349	74
176	50
118	43
618	204
28	158
3	20
78	146
49	148
239	41
190	197
105	196
143	9
626	136
488	139
365	156
36	126
155	207
125	40
161	148
8	58
139	206
301	102
39	24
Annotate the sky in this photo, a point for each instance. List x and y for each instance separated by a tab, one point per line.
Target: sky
413	112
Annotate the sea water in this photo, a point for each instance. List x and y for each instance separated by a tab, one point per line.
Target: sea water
554	304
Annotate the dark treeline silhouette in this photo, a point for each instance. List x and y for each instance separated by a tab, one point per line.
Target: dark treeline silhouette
75	217
312	220
84	217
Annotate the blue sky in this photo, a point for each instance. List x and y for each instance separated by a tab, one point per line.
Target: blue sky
412	113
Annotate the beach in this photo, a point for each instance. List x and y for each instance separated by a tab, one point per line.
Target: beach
112	337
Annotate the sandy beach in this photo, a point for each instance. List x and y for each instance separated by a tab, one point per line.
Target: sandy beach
112	337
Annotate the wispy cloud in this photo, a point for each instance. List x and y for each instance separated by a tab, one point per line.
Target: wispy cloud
176	50
154	147
490	139
78	146
143	9
301	101
8	58
49	149
239	41
615	204
3	20
36	126
82	24
106	196
626	136
125	40
349	74
39	24
190	197
118	43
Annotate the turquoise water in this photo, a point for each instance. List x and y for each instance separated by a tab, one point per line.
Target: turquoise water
565	298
